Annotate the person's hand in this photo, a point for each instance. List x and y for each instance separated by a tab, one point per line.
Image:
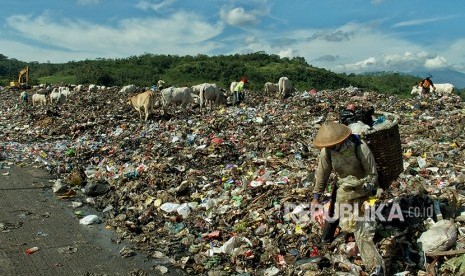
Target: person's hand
369	186
315	201
314	204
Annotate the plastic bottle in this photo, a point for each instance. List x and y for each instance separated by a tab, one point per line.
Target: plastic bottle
32	250
381	119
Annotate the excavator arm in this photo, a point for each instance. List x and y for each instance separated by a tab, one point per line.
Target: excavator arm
23	79
24	73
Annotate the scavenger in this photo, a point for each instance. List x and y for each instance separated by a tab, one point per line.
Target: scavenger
356	180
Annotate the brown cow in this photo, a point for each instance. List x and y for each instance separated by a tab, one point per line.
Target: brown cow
143	100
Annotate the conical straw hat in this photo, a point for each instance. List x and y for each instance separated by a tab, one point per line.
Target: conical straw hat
331	134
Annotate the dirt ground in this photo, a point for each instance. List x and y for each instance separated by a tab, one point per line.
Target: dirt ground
32	216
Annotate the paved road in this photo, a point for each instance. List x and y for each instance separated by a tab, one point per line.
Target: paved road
32	216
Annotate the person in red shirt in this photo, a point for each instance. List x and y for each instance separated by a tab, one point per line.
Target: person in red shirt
425	85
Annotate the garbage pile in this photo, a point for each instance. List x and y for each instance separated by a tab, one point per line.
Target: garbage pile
227	191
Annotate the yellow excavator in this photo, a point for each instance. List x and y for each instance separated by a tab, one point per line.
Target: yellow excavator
23	80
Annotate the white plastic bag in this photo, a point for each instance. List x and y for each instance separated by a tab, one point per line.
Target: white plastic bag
90	219
441	236
169	207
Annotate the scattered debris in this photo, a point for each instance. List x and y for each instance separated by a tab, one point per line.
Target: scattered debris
227	190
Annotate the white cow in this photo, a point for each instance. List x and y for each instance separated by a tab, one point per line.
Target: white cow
57	97
93	88
177	95
78	88
444	89
65	91
128	89
284	87
416	90
210	93
39	99
144	100
160	84
270	87
196	88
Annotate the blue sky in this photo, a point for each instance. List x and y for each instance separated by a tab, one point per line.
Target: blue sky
350	36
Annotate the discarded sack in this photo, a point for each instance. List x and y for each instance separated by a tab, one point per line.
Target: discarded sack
441	236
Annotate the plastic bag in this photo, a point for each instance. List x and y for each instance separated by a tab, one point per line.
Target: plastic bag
351	188
364	115
364	235
441	236
90	219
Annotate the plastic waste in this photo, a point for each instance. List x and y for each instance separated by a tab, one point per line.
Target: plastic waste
440	236
381	119
184	210
90	219
169	207
421	162
32	250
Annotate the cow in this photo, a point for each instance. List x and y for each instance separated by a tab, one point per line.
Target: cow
444	89
93	88
144	100
196	88
441	89
210	93
78	88
39	99
284	87
270	88
128	89
65	91
177	95
57	97
160	84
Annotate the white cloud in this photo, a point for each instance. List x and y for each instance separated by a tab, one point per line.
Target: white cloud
250	40
456	54
289	53
238	17
352	47
154	5
436	63
421	21
181	33
360	66
348	48
88	2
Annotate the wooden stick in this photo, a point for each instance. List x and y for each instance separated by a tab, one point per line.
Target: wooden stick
445	253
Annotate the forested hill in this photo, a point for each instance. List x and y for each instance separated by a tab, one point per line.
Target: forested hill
147	69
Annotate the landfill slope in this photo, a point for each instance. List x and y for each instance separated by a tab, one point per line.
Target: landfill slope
39	234
209	191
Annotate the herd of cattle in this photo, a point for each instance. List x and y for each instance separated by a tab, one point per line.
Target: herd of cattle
203	94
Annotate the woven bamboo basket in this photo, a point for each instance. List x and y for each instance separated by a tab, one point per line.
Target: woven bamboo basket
384	142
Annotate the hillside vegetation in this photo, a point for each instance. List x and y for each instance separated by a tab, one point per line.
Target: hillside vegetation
147	69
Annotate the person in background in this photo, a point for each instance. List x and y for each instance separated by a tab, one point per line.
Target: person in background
23	98
239	91
356	181
425	85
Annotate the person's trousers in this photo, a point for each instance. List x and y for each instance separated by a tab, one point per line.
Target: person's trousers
329	230
238	97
